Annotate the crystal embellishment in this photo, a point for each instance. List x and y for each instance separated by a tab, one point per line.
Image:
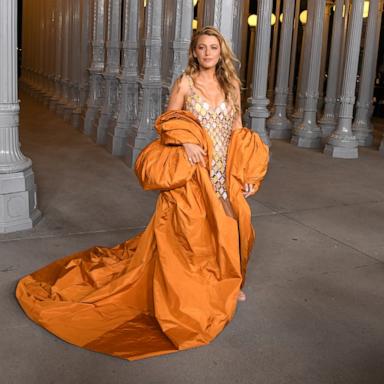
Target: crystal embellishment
218	123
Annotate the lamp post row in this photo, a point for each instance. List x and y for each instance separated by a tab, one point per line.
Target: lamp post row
111	84
121	120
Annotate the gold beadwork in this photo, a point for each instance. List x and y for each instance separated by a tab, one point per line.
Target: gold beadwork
218	123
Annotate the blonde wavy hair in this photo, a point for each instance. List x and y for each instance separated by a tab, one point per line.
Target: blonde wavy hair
226	73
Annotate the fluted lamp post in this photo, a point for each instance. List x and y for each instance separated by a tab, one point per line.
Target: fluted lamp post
308	134
324	54
275	38
65	57
126	113
109	76
279	126
150	85
97	66
18	210
292	65
252	22
361	126
257	104
58	51
306	20
328	119
342	143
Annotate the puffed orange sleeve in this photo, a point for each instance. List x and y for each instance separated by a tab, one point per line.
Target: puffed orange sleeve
163	167
250	157
179	127
163	164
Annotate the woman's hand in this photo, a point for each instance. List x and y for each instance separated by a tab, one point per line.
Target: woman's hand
248	190
195	153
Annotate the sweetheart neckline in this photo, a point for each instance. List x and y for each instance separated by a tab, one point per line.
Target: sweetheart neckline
206	101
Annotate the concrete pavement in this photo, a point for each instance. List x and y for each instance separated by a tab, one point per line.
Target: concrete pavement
315	286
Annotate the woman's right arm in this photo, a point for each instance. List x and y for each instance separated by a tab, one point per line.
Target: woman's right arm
180	90
178	94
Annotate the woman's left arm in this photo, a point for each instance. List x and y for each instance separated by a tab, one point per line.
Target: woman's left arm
248	189
237	123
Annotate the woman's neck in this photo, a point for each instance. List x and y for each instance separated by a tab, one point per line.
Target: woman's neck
207	74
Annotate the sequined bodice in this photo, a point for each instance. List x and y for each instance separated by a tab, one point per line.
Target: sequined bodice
218	123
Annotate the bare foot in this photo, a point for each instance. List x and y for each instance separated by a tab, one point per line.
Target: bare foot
242	296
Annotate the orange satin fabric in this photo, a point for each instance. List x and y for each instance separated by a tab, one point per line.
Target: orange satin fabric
175	285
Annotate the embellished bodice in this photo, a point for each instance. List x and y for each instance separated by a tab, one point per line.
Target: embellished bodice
217	121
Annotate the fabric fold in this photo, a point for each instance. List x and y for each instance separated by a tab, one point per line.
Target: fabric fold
175	285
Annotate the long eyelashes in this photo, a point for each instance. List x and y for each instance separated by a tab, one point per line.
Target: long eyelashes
213	47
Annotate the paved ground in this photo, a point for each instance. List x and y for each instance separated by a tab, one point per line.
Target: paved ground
315	308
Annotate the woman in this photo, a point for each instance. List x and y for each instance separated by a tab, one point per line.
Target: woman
175	285
210	89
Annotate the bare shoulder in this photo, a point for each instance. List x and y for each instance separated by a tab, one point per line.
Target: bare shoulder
182	84
179	91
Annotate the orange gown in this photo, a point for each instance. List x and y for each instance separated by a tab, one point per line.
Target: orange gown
175	285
